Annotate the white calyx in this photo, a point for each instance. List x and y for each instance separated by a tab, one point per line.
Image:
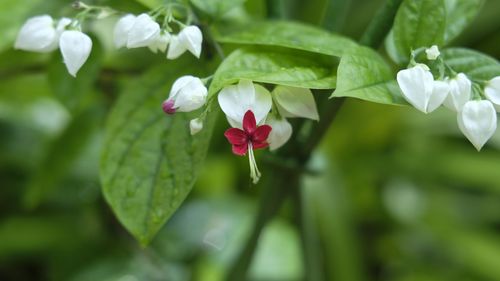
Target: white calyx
477	121
75	48
460	92
492	92
432	52
420	89
144	32
236	100
188	93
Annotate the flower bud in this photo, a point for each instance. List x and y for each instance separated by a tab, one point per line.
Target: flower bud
143	32
432	52
38	34
122	29
419	88
195	126
460	92
492	92
176	48
75	49
187	94
477	121
295	102
280	133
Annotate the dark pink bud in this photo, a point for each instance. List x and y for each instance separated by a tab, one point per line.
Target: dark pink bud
168	107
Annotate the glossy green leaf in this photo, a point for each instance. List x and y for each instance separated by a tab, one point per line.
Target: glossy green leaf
276	67
285	34
459	14
475	64
365	75
418	23
216	8
150	161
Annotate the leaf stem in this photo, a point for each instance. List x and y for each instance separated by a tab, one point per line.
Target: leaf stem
380	24
275	9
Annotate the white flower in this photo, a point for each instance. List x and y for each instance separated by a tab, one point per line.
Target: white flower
477	121
190	38
295	102
195	126
122	29
161	43
432	52
281	132
236	100
75	49
460	92
492	91
143	32
188	93
38	34
420	89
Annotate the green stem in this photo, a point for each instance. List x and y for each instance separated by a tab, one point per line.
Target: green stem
335	14
380	24
275	9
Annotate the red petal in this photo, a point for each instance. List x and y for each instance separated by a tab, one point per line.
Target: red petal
259	145
249	123
261	134
240	149
236	136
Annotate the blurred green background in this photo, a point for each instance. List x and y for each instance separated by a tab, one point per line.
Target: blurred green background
393	194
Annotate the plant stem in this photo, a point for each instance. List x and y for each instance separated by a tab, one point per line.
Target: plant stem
335	14
284	180
380	24
275	9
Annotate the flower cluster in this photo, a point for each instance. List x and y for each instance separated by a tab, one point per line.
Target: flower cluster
143	31
476	115
43	34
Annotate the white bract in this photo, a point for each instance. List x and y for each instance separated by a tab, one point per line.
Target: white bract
122	29
195	125
143	32
420	89
295	102
188	93
492	92
38	34
75	48
189	39
280	133
161	43
432	52
236	100
459	92
477	121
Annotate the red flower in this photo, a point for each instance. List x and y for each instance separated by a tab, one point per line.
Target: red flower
252	136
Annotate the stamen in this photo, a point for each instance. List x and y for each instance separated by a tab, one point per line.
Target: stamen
254	170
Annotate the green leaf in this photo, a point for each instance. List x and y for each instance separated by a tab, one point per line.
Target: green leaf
150	161
216	8
459	14
285	34
365	75
475	64
418	23
295	69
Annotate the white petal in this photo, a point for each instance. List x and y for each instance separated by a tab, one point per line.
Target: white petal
280	133
179	84
295	102
37	35
459	92
439	93
477	121
144	31
492	92
416	83
262	104
195	126
432	52
161	43
176	48
75	48
122	29
191	97
62	24
191	37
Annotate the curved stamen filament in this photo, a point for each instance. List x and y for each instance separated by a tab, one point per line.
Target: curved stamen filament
254	170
